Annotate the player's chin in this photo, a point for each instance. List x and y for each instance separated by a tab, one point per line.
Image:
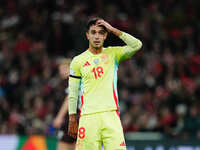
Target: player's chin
97	46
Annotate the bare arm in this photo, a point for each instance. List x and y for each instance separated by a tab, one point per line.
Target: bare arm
73	126
64	108
61	114
74	85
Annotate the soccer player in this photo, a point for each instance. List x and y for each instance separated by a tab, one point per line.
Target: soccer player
65	142
95	72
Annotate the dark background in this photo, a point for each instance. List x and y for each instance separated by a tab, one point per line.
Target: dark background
159	87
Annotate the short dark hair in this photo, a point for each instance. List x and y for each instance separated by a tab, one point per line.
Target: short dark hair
92	21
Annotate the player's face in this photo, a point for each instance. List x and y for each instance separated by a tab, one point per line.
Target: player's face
64	71
96	36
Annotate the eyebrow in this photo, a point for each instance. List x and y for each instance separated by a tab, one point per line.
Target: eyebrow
98	30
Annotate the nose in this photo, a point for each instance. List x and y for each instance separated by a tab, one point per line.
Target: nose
96	36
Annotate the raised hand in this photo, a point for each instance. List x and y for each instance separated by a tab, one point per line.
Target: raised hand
105	24
109	27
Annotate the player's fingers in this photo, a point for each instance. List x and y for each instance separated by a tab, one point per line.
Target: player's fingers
100	22
75	132
69	131
73	129
73	135
72	132
54	124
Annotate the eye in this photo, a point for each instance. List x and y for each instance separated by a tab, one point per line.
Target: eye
101	32
93	32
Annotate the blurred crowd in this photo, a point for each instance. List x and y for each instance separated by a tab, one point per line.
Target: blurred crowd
159	87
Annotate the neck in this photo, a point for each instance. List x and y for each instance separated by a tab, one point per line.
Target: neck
94	50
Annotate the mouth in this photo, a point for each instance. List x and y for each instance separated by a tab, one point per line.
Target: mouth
97	42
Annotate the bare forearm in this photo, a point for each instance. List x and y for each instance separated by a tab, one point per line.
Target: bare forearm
116	31
73	125
64	108
72	117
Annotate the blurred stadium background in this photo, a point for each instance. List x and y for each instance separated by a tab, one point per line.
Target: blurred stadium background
159	88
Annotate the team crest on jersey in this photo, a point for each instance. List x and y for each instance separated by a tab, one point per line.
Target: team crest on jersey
86	64
96	61
105	58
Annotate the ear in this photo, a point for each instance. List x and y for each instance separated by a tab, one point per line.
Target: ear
87	35
105	35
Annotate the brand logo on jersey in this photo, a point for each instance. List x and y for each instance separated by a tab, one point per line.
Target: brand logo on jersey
96	61
123	144
86	64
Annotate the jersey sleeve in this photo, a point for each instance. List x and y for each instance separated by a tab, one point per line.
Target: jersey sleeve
74	84
120	53
75	68
131	47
